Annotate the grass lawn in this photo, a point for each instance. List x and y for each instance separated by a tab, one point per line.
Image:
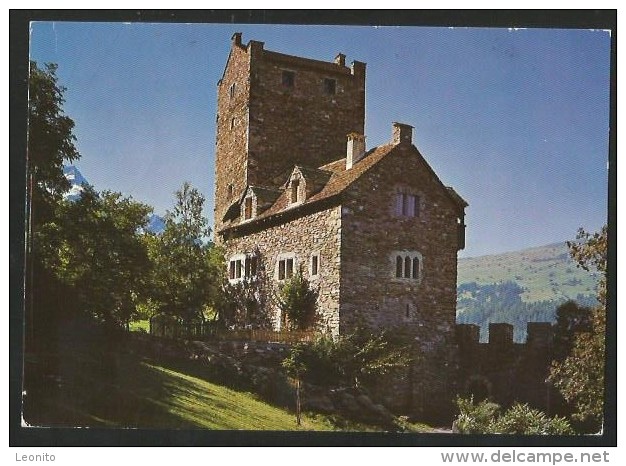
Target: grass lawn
147	395
140	325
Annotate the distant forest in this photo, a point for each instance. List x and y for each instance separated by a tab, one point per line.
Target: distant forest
502	302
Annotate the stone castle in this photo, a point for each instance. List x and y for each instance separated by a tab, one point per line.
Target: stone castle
375	231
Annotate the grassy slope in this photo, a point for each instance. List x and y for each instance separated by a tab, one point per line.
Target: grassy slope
80	389
546	272
148	395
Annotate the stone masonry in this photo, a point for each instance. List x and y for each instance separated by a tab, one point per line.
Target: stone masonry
375	231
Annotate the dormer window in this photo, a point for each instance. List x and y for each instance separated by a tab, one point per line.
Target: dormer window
288	78
295	191
247	208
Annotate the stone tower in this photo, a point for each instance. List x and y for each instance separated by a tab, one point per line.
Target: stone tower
276	111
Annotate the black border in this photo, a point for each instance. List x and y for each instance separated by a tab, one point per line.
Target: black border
18	76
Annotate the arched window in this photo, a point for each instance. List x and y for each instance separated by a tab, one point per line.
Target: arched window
407	265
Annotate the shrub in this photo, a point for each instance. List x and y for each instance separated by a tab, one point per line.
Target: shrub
350	360
474	418
520	419
298	302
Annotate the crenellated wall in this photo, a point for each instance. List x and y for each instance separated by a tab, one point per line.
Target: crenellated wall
508	372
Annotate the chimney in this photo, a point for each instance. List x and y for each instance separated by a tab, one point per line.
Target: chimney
402	133
340	59
236	39
356	149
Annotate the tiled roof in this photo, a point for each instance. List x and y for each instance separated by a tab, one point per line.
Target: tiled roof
338	181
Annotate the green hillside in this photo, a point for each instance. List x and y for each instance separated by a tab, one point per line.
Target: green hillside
545	273
146	394
521	286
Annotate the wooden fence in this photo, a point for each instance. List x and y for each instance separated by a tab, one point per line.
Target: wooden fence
170	327
284	336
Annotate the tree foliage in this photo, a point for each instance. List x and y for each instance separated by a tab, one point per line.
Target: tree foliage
351	360
580	376
298	302
571	319
50	140
244	303
93	247
187	269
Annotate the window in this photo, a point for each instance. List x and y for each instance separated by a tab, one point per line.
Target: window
247	208
407	265
286	263
288	78
230	190
242	266
330	86
231	91
232	123
407	205
315	264
295	184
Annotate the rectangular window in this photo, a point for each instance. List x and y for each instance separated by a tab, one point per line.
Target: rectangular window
399	263
247	208
231	270
281	270
247	267
407	205
314	264
289	270
288	78
238	269
330	86
295	184
253	265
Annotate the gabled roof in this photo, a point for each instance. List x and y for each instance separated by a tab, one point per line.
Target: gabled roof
339	180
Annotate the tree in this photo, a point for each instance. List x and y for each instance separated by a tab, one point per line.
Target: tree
50	141
571	319
580	377
297	301
50	144
93	247
186	271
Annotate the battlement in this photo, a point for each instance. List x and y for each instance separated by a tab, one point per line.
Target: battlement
538	335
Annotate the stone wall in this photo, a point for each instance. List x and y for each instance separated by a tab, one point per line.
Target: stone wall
509	372
300	125
232	132
318	233
371	294
264	128
372	233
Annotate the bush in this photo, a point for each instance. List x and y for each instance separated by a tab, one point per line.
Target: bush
298	302
474	418
520	419
359	357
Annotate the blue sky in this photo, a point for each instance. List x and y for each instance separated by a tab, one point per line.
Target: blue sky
517	121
